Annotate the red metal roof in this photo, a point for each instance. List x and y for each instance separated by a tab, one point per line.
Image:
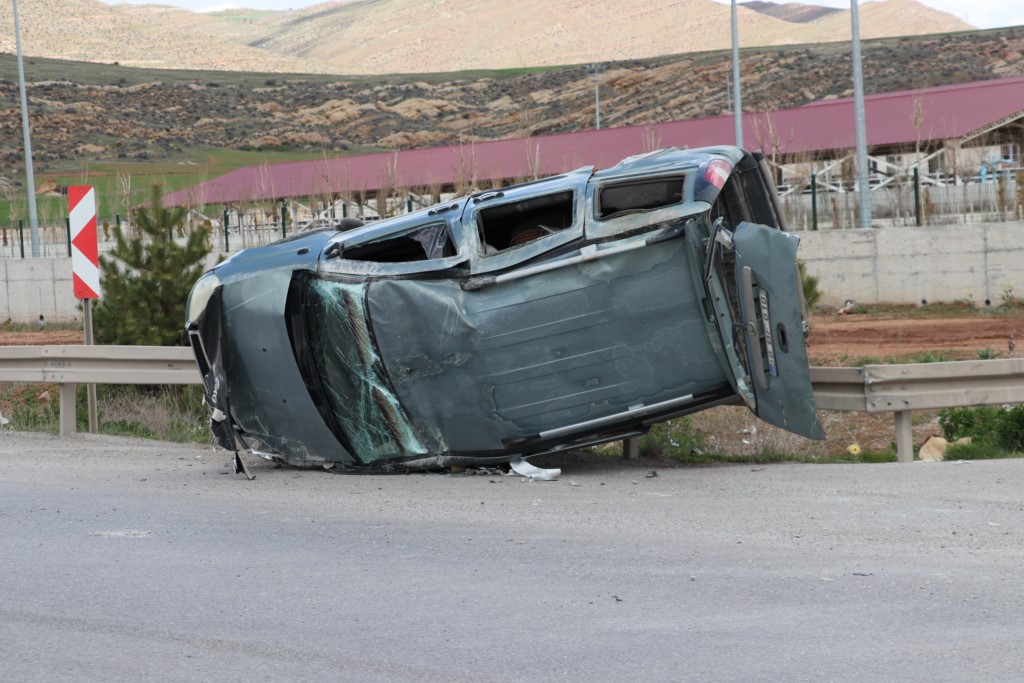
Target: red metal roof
947	112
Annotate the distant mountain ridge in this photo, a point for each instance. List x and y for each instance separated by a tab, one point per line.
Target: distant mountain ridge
413	36
790	11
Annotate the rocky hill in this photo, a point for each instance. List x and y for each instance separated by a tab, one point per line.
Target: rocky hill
414	36
87	112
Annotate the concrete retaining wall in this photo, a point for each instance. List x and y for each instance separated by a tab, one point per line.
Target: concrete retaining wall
978	263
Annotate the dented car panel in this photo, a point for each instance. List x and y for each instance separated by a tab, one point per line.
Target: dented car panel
520	321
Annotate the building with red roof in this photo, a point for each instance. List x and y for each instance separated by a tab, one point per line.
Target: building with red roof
933	126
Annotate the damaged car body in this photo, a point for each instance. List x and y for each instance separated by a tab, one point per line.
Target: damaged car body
521	321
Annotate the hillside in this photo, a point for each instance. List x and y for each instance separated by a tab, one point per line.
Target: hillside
417	36
84	112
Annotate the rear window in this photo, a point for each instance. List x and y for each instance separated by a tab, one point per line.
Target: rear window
641	195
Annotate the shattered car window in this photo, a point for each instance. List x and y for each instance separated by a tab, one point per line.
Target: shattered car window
423	244
360	397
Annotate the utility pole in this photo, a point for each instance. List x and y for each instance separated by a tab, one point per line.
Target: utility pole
737	106
595	71
864	194
33	218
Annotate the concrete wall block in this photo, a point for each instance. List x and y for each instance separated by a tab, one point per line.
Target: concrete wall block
34	287
30	270
901	265
839	280
28	299
915	276
853	244
1005	237
1005	261
931	241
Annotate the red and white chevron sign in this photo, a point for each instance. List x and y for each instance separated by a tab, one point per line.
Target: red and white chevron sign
85	262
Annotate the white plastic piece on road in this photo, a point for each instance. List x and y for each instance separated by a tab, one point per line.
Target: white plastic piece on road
525	469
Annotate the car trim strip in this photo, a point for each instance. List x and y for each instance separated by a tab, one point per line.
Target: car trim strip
634	411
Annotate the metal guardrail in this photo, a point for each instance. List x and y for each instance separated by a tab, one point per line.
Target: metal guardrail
902	389
70	366
897	389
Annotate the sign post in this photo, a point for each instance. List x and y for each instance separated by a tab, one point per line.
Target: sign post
85	266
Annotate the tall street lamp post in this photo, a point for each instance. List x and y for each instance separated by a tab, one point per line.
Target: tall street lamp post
33	219
737	106
864	194
595	71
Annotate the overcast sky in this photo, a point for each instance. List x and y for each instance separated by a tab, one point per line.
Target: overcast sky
981	13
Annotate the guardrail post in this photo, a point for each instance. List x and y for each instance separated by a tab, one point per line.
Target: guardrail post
904	437
68	408
631	449
21	236
67	230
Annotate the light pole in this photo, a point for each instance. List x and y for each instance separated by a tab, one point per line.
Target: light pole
864	195
737	106
595	71
33	219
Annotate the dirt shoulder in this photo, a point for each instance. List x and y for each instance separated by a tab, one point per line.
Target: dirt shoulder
893	337
40	336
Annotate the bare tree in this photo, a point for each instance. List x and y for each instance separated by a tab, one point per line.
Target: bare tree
651	138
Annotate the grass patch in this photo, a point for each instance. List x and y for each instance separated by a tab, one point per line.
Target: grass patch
981	450
167	413
122	184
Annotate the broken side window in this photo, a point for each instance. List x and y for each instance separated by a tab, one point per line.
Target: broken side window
422	244
641	195
517	223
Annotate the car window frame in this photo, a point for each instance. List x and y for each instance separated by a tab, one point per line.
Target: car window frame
482	262
331	262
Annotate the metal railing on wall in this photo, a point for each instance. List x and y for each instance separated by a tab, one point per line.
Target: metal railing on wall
812	203
896	389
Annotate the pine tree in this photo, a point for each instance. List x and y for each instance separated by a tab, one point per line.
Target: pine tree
146	278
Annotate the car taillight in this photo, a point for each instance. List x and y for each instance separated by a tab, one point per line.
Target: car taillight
717	172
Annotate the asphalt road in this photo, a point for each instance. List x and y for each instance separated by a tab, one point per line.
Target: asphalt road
128	560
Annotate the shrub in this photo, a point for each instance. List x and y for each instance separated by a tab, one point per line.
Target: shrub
146	279
986	425
810	285
978	423
1010	429
974	451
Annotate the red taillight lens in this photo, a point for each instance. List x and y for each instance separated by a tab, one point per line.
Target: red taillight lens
717	172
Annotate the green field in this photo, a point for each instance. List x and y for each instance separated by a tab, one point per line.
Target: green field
123	184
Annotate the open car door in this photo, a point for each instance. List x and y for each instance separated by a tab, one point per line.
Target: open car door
773	324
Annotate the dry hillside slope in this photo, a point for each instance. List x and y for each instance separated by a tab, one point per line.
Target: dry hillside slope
89	30
418	36
83	112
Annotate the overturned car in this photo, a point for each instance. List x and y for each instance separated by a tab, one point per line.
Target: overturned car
559	313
